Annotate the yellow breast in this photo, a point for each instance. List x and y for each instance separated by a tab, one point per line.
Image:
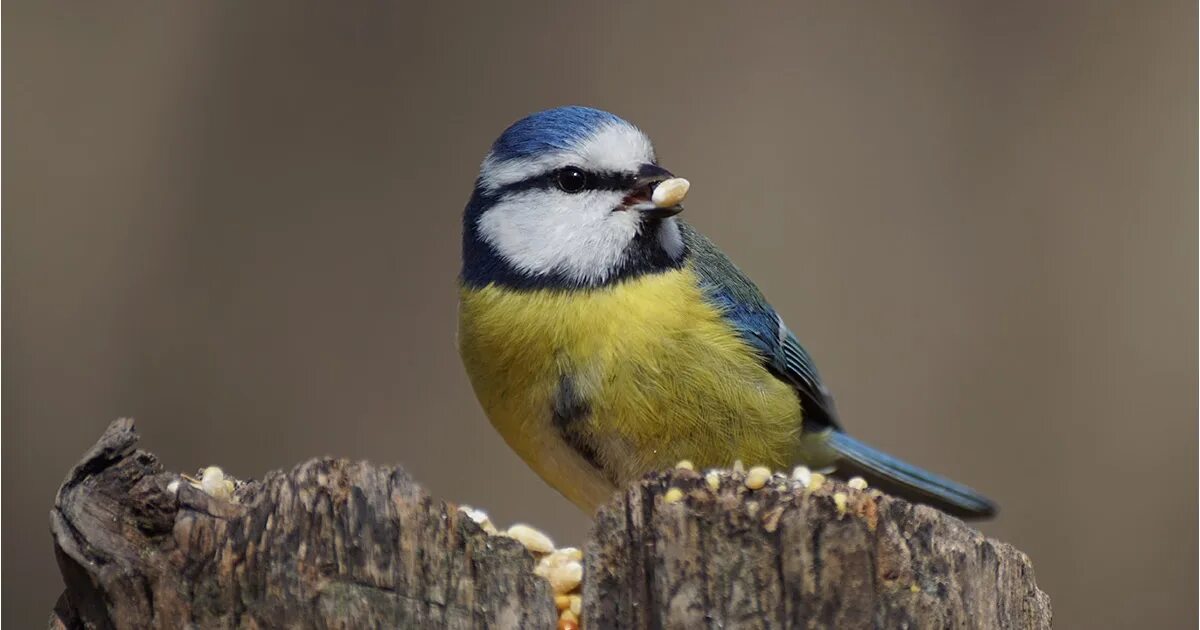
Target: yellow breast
660	374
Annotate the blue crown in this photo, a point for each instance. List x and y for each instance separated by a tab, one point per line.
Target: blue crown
551	130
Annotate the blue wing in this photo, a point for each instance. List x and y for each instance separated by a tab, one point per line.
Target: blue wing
763	329
760	326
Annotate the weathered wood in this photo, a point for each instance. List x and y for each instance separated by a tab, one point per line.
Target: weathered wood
785	557
332	544
348	545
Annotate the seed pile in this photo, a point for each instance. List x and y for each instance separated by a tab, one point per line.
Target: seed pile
758	477
563	568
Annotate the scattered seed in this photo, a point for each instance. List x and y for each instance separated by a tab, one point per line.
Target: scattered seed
214	483
480	517
757	477
534	540
568	621
802	475
542	568
713	479
551	561
566	577
816	481
475	515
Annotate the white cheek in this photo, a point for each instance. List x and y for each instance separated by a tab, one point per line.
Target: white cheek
670	239
542	232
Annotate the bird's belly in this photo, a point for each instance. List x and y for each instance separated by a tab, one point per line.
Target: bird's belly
593	388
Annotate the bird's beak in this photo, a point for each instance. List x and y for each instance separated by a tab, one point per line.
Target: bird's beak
658	193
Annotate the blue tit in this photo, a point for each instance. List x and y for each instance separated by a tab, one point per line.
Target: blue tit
606	338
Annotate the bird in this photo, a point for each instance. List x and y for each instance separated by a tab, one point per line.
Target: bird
606	338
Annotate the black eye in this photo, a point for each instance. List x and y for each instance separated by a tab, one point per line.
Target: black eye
571	179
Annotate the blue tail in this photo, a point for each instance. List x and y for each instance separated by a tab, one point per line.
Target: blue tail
894	476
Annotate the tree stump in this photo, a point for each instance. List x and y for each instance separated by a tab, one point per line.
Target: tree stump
335	544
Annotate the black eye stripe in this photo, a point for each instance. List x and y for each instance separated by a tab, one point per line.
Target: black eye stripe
597	180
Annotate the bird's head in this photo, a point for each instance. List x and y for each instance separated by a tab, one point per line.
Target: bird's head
571	197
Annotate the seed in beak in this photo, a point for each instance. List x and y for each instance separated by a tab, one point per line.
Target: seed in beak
670	192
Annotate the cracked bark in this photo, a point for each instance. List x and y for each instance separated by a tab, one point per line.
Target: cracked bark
335	544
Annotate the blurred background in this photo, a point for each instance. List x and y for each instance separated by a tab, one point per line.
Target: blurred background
239	224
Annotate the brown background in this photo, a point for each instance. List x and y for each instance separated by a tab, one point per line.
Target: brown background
240	225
